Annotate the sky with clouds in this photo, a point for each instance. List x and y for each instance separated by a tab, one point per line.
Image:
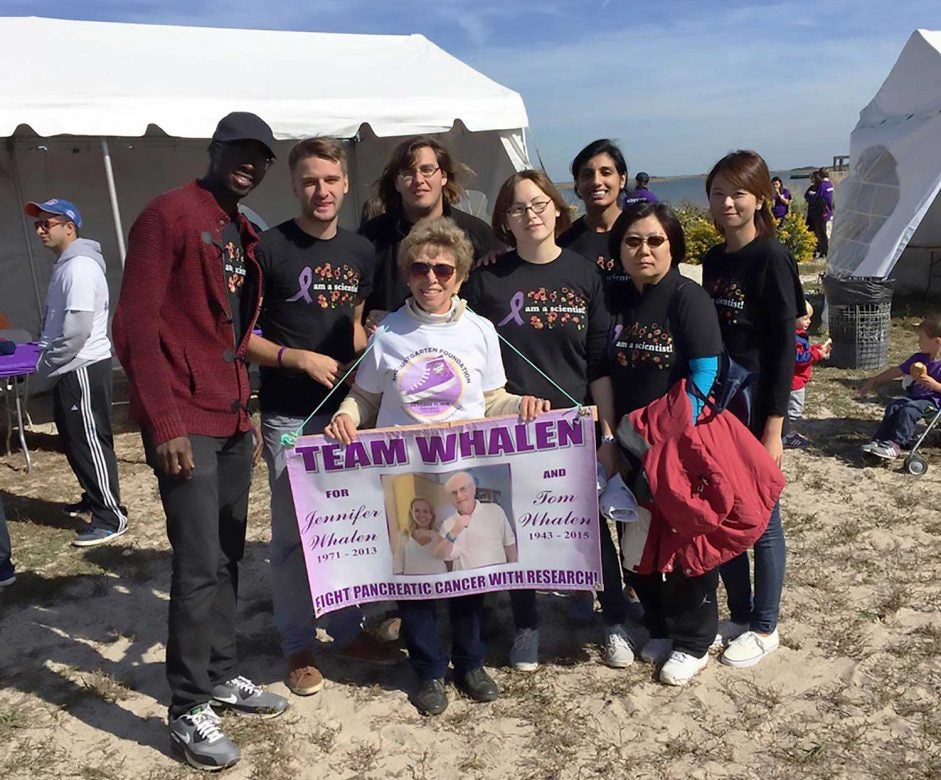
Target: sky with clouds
677	82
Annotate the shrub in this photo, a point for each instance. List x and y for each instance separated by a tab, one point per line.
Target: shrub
793	233
701	234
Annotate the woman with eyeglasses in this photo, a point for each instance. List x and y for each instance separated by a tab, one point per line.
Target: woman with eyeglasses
433	361
757	294
665	329
549	304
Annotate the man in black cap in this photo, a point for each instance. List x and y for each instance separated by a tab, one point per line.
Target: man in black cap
189	299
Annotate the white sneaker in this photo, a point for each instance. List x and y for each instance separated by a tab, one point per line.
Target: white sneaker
656	651
728	630
524	654
749	649
617	647
681	667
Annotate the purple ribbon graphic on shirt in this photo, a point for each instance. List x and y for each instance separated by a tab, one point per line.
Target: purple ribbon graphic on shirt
617	331
516	306
304	280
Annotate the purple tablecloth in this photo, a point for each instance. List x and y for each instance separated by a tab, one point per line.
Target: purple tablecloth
21	362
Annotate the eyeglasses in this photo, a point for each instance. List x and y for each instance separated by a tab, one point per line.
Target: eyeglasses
45	224
634	242
408	175
518	210
442	271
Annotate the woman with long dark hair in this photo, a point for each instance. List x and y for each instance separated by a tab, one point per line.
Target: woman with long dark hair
754	285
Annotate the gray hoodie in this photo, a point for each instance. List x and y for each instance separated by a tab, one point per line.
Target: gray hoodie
75	326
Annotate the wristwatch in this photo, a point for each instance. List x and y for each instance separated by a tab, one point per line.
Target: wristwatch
608	439
450	537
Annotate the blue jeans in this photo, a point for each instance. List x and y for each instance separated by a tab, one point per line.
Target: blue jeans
761	612
900	420
293	609
7	569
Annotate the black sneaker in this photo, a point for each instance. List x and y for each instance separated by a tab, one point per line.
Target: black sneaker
430	698
478	685
197	737
243	696
79	508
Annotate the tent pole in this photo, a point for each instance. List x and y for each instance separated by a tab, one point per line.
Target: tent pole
113	194
27	233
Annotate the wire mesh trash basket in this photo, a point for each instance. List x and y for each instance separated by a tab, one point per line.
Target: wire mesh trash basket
859	313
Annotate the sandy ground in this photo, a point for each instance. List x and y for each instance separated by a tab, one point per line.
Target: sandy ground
853	691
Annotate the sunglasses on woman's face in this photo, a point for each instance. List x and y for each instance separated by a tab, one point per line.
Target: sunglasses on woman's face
634	242
442	271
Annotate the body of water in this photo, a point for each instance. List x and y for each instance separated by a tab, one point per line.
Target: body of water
692	189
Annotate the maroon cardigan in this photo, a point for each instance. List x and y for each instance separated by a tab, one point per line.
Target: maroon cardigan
173	328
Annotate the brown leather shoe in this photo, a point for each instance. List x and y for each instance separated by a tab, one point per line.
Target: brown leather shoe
369	649
304	678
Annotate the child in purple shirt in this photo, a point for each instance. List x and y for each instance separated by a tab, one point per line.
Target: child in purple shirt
923	392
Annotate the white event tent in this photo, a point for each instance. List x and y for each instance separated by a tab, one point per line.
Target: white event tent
108	115
888	211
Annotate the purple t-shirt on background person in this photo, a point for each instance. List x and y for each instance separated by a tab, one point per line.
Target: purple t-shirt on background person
631	197
915	391
825	189
780	208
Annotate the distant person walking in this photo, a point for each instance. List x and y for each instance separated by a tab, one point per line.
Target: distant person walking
640	193
782	200
76	355
819	197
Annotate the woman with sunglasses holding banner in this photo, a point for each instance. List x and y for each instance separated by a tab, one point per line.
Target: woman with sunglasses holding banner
432	361
549	304
665	329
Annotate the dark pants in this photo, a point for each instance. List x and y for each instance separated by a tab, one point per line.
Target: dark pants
819	228
613	603
7	569
81	407
206	521
900	420
680	608
420	629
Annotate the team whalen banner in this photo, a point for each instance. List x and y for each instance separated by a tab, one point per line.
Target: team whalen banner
426	512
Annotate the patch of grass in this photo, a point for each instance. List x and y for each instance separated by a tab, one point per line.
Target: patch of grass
362	758
106	687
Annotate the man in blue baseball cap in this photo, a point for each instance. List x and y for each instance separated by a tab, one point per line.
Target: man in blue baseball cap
76	355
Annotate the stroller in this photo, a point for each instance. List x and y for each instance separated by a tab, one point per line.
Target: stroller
914	463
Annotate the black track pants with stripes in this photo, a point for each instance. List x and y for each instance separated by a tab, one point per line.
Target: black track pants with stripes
82	410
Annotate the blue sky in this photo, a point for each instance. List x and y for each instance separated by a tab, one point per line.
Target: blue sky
677	83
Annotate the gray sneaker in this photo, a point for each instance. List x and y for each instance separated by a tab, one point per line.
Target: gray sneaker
243	696
524	655
197	737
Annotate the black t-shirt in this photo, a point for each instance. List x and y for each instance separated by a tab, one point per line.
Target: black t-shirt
386	232
311	286
757	294
655	334
234	270
596	247
554	314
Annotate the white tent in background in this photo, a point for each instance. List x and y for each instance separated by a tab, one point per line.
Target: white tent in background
109	115
888	211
